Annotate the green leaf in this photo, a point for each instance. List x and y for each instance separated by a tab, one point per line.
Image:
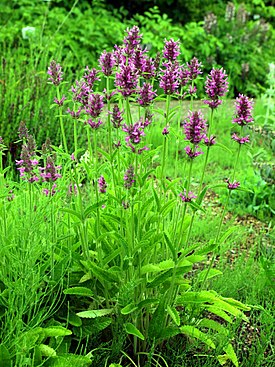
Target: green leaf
47	351
201	195
228	233
218	312
236	303
167	207
193	332
230	354
128	309
67	360
211	274
102	274
174	315
170	245
79	291
56	331
5	358
131	329
73	213
214	325
151	268
91	314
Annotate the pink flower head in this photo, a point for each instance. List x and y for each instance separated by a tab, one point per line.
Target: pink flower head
171	50
216	86
193	153
90	76
132	39
232	186
94	105
244	108
107	62
54	70
102	185
239	140
129	177
186	198
146	94
194	68
169	80
195	127
127	79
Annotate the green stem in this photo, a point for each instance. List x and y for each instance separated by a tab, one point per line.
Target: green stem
61	122
165	146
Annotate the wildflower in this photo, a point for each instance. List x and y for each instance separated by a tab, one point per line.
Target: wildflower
230	12
75	114
23	131
46	147
184	75
210	141
239	140
129	177
132	39
27	163
60	102
171	50
54	70
195	127
192	90
94	124
194	68
186	198
50	192
146	94
107	62
232	186
49	172
116	118
169	81
72	190
216	86
193	153
94	105
149	69
81	92
165	131
138	58
127	79
210	22
102	185
244	107
90	77
135	131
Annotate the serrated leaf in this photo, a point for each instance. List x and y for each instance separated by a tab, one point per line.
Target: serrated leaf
218	312
174	315
67	360
167	207
131	329
56	331
236	303
91	314
193	332
128	309
229	350
79	291
214	325
47	351
73	213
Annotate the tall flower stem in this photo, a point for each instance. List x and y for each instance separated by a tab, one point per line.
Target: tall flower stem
207	150
108	116
222	218
61	123
178	132
165	141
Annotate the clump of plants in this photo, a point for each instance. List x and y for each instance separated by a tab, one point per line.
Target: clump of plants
119	229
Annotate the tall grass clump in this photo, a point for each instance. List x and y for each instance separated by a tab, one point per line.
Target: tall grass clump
101	261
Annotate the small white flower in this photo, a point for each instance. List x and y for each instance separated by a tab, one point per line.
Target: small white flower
28	32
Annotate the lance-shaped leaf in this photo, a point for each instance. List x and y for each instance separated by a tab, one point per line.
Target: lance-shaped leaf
193	332
92	314
131	329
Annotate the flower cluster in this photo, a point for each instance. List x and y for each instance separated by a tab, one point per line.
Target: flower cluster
146	94
244	108
54	70
102	185
169	79
186	198
126	79
107	62
28	163
195	131
116	117
49	173
129	177
216	86
171	50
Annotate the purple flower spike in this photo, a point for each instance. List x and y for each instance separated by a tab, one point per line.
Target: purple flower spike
216	86
194	68
135	132
50	172
232	186
94	124
193	153
95	105
60	102
239	140
146	95
107	62
169	81
54	70
244	108
165	131
186	198
127	79
138	57
75	114
195	127
116	117
210	141
102	185
149	69
171	50
129	177
132	40
90	77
